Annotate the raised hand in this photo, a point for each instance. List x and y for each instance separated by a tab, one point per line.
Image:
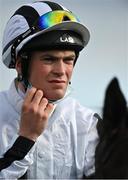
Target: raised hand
35	114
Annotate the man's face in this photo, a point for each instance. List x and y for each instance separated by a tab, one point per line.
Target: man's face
51	72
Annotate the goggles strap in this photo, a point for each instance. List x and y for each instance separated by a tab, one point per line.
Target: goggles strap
17	42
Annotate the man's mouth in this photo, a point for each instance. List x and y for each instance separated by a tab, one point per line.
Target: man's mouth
57	81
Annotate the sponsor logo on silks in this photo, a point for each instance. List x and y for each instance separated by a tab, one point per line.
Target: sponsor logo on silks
66	38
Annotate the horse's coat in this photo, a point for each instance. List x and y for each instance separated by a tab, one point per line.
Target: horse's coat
112	150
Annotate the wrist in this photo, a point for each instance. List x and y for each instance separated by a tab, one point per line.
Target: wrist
31	137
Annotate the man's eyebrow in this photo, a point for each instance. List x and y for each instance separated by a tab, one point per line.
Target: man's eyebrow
47	55
70	56
56	57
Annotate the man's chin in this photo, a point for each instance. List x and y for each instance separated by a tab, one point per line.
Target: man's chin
56	97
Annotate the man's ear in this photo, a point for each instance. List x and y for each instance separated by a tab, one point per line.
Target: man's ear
18	65
114	104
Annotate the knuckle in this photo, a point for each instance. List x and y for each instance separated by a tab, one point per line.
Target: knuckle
39	114
33	89
40	92
33	109
45	116
45	101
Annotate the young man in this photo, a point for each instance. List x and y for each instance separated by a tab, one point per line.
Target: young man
44	133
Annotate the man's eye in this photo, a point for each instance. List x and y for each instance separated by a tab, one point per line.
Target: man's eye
70	61
47	60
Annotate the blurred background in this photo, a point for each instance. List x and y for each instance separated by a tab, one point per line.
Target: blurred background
105	57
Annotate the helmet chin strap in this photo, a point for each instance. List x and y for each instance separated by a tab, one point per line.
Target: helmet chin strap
26	84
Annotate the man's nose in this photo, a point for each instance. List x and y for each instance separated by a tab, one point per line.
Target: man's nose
59	67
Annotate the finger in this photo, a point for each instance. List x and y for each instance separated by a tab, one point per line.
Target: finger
43	104
37	98
30	94
49	108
